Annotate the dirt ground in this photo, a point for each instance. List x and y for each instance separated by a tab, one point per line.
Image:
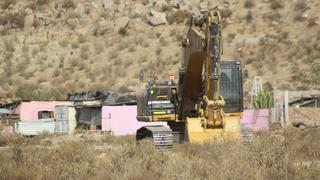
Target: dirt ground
279	154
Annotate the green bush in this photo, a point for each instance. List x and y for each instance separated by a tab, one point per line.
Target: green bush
263	100
32	92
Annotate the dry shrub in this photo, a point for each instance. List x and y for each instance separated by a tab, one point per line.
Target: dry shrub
249	4
299	18
13	20
4	4
312	22
42	2
75	45
82	39
64	43
124	89
68	4
84	55
8	45
10	140
158	51
301	5
249	17
145	2
226	12
132	48
163	41
123	31
276	4
166	7
178	17
274	16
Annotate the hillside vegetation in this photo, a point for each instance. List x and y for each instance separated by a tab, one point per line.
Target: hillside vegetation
51	47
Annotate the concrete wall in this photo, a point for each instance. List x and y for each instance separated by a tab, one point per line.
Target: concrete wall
35	127
28	111
121	120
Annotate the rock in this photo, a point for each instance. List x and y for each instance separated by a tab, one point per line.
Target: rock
73	22
156	18
121	23
102	156
140	9
204	6
109	4
161	5
175	4
29	21
103	27
275	23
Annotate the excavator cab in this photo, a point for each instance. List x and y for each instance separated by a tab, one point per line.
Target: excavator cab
158	101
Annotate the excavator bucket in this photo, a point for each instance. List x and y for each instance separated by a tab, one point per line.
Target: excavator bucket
197	134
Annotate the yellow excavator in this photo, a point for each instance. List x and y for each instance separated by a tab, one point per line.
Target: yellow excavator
207	102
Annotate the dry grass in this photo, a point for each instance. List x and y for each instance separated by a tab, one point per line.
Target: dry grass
291	154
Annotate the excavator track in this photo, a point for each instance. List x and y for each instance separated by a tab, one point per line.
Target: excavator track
161	136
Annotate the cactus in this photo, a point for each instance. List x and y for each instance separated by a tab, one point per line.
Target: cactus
263	100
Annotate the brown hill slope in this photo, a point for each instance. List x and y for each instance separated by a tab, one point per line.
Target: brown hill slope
49	48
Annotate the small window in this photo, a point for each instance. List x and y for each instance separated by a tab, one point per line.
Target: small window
45	114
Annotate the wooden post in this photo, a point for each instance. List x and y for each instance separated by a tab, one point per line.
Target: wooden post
286	107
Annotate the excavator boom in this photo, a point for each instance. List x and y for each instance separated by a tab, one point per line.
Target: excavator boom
206	87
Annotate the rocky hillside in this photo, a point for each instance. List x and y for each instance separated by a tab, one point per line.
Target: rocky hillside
51	47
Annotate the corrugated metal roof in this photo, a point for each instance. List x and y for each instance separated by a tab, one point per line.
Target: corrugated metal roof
4	111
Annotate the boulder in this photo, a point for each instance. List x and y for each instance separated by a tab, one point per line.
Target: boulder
175	4
204	6
161	5
109	4
72	22
140	9
121	23
156	18
29	21
103	27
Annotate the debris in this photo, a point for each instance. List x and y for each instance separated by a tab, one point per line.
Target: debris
156	18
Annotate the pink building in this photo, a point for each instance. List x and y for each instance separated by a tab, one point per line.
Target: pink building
256	119
121	120
35	110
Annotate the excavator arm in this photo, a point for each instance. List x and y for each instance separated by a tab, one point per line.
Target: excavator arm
201	104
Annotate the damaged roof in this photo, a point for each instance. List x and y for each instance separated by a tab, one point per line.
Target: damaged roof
108	98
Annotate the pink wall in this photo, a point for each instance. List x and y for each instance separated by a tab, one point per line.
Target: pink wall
29	110
121	120
256	119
